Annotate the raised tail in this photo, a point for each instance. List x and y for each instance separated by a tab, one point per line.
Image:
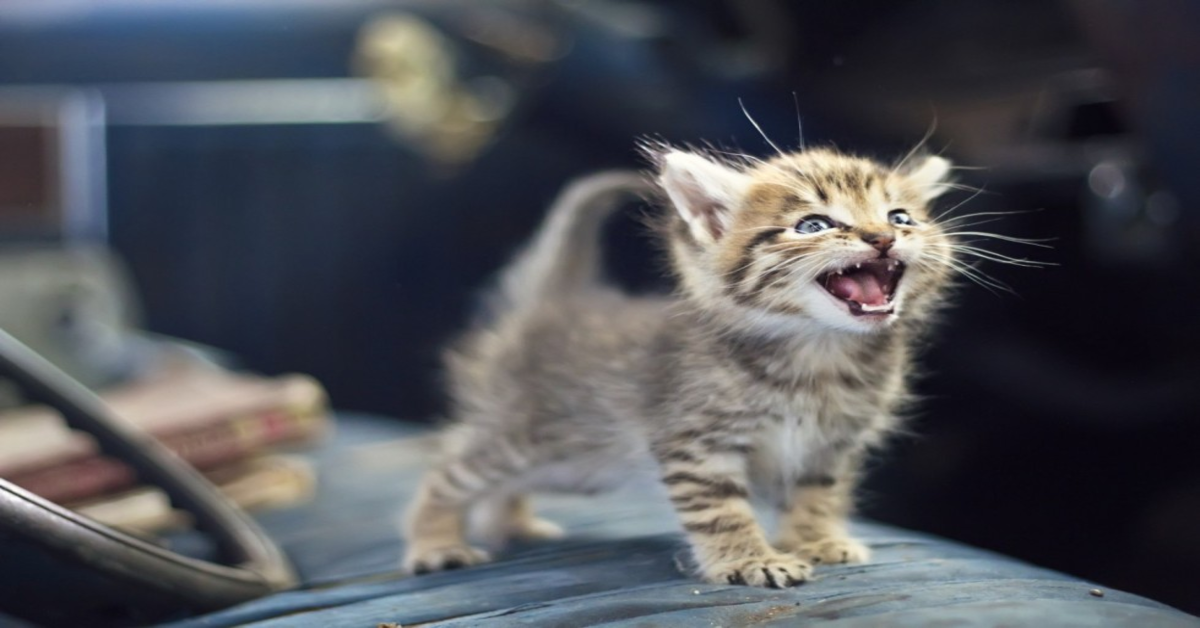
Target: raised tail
565	253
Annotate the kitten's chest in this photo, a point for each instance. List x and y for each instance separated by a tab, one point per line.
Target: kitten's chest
787	449
790	443
803	436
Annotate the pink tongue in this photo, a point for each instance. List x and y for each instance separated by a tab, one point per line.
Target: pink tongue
862	287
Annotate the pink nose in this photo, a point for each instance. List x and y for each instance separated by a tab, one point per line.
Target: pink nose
881	241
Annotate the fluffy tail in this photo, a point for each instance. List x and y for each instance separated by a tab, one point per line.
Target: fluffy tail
565	254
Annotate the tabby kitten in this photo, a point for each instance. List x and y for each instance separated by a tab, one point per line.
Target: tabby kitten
803	279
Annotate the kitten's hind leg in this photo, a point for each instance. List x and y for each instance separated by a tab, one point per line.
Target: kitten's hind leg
434	528
474	466
497	519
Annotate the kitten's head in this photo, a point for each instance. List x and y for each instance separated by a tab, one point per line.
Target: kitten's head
810	237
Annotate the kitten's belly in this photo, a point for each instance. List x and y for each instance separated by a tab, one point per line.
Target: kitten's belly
596	471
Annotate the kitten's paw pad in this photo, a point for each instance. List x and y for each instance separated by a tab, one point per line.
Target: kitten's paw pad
538	529
833	550
443	558
773	570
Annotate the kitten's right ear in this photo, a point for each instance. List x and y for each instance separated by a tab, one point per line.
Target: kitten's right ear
704	192
930	174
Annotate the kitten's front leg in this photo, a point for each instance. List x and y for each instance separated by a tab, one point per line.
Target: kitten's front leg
814	526
708	490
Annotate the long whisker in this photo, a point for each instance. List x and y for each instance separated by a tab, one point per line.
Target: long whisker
975	242
918	147
993	256
784	246
758	128
1038	242
972	273
975	277
799	272
954	185
778	246
799	122
966	245
773	267
743	267
795	263
966	225
794	266
810	265
954	219
970	198
965	268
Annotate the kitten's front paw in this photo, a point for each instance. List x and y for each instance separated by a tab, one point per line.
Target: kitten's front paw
772	570
419	561
831	550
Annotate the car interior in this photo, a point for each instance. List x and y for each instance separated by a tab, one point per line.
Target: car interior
237	237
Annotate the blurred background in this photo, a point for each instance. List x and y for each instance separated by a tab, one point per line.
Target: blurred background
324	187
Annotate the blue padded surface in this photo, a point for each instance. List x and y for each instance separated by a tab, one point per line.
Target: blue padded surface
619	568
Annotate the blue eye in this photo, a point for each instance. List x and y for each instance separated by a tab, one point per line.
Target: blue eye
901	218
814	224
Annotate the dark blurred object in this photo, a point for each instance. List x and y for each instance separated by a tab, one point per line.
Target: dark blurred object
51	164
1059	423
264	209
1153	52
271	204
62	568
61	292
75	307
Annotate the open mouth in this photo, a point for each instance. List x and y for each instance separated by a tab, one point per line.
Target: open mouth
866	287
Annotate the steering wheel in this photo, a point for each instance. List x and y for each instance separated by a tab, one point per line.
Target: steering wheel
59	568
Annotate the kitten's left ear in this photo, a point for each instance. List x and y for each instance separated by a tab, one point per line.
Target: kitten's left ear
703	191
931	176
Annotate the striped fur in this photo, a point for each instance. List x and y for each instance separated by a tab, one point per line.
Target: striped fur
752	380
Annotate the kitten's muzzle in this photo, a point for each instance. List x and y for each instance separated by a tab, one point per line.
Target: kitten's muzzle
882	242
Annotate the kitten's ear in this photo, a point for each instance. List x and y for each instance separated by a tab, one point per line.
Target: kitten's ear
930	174
704	192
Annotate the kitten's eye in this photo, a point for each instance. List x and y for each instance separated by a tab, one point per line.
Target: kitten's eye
814	224
901	218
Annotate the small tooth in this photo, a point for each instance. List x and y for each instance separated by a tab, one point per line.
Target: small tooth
858	265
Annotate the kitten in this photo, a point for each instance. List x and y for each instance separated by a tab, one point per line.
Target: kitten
804	281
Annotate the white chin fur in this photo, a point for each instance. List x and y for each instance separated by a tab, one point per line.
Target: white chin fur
833	312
